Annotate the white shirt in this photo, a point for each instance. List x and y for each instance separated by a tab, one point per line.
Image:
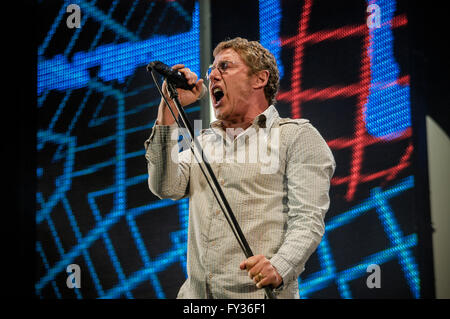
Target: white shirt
280	205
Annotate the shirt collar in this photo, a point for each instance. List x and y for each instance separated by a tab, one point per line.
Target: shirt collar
266	118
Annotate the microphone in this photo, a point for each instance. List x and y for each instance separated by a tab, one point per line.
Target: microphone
175	77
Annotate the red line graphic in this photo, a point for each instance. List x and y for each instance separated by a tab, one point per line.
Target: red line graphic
360	139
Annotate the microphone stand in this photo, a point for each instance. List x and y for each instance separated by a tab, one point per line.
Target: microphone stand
223	202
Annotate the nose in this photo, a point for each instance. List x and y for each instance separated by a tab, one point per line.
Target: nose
215	75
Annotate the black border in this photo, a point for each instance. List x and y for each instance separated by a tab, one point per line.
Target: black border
419	90
19	145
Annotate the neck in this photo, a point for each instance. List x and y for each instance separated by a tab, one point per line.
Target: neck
243	121
243	124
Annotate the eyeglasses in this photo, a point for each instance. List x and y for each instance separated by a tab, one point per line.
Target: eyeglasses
222	66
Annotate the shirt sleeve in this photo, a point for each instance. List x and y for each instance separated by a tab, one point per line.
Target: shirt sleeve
168	168
309	168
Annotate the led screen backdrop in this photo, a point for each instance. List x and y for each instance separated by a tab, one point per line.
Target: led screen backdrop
346	70
96	105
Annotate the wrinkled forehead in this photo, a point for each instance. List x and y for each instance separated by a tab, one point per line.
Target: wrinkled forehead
228	54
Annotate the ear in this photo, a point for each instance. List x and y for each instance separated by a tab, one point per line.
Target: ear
260	79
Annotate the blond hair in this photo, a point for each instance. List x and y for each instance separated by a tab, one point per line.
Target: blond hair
257	58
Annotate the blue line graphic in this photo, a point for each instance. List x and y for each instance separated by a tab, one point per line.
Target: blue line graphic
118	61
400	246
388	107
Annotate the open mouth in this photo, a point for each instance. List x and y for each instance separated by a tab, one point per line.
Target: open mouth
218	94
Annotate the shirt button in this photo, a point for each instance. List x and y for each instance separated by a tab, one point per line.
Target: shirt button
222	182
210	276
217	212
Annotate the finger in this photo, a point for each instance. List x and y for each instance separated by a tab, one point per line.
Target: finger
190	76
255	270
256	267
242	265
258	278
165	89
261	266
186	72
264	282
199	87
178	66
252	261
194	78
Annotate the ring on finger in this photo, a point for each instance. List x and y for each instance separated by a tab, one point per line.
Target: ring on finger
260	277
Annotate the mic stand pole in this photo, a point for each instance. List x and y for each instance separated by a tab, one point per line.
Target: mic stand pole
226	209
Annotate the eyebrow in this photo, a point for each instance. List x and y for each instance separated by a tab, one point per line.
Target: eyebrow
226	58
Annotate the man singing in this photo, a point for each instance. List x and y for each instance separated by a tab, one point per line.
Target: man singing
279	204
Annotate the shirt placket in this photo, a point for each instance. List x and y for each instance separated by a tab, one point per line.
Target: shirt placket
218	231
214	233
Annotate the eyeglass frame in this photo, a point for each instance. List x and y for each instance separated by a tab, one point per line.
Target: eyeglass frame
218	67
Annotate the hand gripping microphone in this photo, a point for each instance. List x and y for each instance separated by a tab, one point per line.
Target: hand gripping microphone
175	77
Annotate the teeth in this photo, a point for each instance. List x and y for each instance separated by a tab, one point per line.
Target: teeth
217	90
